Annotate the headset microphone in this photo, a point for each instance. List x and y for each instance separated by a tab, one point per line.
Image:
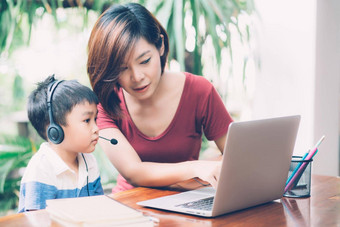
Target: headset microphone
112	141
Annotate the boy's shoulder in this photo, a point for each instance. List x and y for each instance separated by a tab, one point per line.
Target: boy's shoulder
91	160
40	167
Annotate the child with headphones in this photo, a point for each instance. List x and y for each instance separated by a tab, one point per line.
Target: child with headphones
64	114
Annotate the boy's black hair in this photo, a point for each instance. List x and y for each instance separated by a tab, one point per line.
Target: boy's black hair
68	94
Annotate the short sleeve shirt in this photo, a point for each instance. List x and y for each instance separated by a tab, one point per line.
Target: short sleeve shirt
200	110
48	177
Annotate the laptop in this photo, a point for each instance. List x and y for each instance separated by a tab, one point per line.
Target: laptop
255	165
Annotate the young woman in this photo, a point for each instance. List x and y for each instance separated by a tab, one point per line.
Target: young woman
157	116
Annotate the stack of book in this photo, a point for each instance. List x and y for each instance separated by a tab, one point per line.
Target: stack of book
95	211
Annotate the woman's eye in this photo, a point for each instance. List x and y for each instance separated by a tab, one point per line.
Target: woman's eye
87	120
122	69
146	61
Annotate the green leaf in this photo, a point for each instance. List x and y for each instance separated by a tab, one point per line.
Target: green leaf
211	26
172	41
8	151
8	201
245	61
163	12
5	167
198	45
179	31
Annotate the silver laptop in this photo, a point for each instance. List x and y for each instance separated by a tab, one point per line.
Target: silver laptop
255	167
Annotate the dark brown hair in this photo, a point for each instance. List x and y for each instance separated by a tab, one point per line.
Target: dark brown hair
114	34
68	94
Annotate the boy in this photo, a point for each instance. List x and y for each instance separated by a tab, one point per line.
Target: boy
64	114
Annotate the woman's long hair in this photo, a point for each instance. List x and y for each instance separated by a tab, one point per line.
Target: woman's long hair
112	38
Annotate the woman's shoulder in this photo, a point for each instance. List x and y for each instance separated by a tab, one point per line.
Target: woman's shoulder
188	84
173	81
197	85
197	80
188	78
172	76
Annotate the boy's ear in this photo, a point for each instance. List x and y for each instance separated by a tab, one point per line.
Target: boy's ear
161	50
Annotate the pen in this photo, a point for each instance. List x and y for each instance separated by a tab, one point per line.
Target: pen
315	149
296	168
320	141
298	173
317	145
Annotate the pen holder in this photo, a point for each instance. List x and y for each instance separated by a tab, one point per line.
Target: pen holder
301	182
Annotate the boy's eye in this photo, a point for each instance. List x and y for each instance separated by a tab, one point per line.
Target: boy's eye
146	61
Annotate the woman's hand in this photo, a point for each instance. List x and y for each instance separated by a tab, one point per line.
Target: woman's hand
151	174
208	171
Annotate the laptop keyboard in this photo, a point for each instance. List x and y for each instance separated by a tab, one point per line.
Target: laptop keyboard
202	204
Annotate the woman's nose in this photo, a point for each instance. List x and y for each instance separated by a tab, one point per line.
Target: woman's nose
136	75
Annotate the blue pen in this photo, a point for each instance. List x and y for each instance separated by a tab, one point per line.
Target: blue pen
304	157
296	168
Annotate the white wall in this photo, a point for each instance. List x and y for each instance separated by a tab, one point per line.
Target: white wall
292	80
327	81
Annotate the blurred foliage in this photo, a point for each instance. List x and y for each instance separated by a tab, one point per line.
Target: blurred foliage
18	16
108	172
18	92
203	18
12	98
15	152
183	19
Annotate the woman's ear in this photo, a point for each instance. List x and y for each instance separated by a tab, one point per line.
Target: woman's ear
161	50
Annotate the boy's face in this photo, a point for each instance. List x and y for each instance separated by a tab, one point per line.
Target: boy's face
81	132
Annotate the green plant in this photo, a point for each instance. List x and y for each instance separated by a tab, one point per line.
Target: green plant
18	16
15	152
199	20
202	20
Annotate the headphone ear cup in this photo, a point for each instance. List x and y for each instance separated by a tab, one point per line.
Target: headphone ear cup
55	133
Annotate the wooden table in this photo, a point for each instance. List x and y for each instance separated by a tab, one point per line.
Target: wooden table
321	209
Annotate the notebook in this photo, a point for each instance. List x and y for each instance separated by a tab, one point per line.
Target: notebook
98	211
255	165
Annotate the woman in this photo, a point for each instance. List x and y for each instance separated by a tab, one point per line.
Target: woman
157	116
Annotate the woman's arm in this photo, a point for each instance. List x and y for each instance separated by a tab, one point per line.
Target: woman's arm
152	174
220	142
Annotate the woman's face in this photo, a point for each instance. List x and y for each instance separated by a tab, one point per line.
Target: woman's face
141	71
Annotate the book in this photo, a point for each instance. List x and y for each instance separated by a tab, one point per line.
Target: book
95	211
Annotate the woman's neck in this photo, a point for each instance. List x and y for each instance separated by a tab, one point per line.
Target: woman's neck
164	88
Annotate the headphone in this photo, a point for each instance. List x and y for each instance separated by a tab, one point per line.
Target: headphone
54	132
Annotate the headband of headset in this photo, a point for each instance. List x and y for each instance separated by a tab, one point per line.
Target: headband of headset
54	132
